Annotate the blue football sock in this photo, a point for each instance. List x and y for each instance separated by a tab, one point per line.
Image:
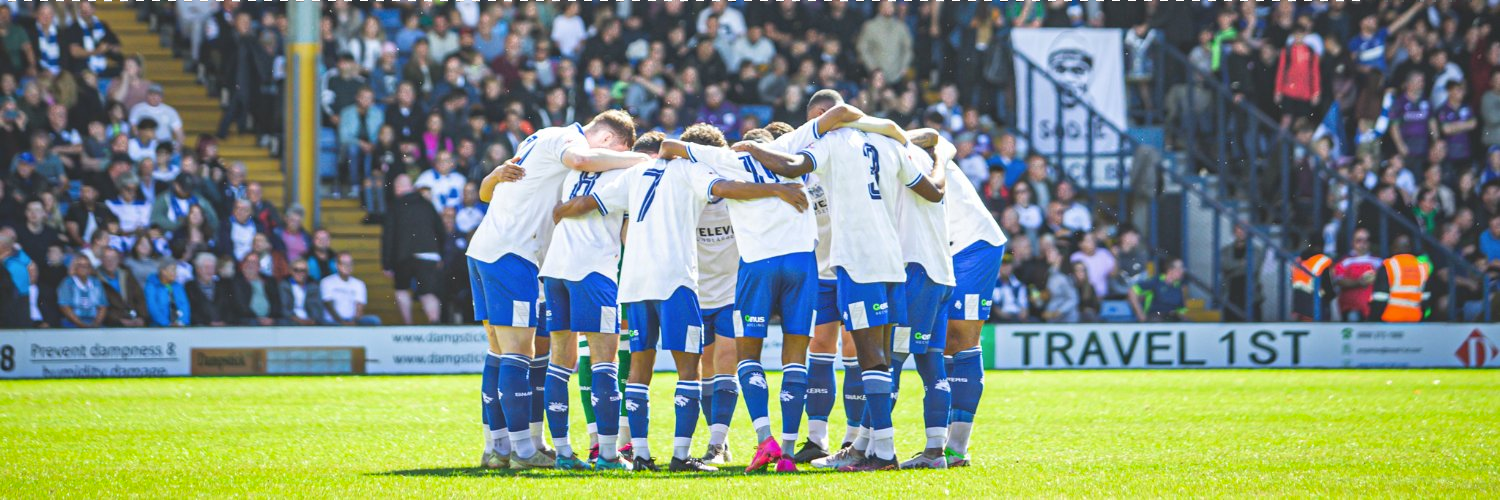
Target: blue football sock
820	386
967	381
877	397
686	402
757	394
605	398
898	363
489	387
854	393
538	377
706	400
878	410
638	410
515	398
555	392
937	397
793	398
726	398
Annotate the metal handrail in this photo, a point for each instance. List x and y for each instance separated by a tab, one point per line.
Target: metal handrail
1254	233
1421	241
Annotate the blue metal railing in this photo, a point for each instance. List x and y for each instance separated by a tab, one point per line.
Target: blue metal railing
1251	135
1160	173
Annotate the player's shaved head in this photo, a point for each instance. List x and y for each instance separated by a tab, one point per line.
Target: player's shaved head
821	101
778	129
704	134
619	123
759	135
649	143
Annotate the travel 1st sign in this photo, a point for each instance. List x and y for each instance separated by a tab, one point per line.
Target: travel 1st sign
1246	345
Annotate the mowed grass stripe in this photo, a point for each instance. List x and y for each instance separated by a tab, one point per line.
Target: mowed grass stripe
1095	433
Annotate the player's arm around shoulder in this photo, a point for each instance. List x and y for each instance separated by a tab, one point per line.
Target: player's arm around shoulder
509	172
792	194
783	164
587	159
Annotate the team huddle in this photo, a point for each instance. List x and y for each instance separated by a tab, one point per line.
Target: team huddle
863	238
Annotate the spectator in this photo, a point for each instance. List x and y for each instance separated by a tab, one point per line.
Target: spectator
169	212
144	144
410	249
36	235
130	88
359	124
273	263
1098	261
970	161
236	236
81	297
1011	296
1411	116
1162	298
885	44
256	299
195	235
262	210
166	298
1076	216
1489	108
209	298
47	40
345	296
757	50
1456	124
322	261
304	303
1489	244
293	237
442	40
1234	263
1088	299
17	273
1062	293
1354	276
164	115
1299	82
340	88
85	216
143	259
122	292
240	50
133	212
444	185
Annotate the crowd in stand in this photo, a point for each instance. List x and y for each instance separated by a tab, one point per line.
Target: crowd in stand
424	98
109	217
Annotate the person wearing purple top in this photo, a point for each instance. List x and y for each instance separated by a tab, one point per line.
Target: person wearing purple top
1411	116
1456	123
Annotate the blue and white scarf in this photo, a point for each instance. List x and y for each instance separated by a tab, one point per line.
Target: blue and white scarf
91	39
49	52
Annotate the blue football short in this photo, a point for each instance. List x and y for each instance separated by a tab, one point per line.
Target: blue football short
586	306
925	326
976	269
674	324
867	305
785	284
505	291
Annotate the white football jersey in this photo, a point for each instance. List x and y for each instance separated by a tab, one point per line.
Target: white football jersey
968	219
765	227
447	190
663	200
791	143
718	257
520	212
588	244
923	226
859	171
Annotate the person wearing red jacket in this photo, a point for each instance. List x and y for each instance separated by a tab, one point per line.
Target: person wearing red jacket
1298	79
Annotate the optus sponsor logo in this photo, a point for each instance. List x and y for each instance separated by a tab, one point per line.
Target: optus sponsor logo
1477	350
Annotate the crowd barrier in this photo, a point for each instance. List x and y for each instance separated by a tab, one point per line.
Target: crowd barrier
178	352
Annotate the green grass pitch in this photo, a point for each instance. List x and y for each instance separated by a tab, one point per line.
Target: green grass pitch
1081	433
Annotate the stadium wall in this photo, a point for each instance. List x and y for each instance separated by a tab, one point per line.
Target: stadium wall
29	354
